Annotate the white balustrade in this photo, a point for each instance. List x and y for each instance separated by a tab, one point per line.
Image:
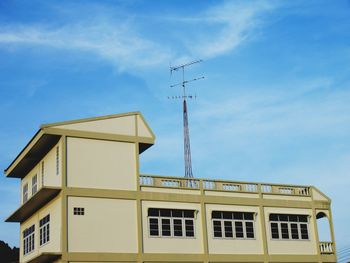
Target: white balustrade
326	247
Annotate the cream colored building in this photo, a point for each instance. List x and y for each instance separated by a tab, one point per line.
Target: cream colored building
83	199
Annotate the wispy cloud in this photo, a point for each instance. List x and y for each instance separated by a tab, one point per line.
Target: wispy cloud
283	110
122	43
110	40
235	22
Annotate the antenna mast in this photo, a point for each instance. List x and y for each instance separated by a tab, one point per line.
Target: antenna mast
187	146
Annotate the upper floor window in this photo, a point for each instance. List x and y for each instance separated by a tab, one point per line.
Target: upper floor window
44	230
293	227
25	193
34	184
42	172
171	222
57	160
233	224
79	211
28	239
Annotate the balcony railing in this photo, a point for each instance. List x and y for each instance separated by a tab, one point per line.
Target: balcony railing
326	248
218	185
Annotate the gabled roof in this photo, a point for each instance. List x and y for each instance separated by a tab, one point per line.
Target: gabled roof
128	127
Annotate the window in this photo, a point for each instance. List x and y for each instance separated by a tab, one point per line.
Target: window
28	240
42	173
289	227
25	193
171	222
44	230
233	224
57	160
79	211
34	184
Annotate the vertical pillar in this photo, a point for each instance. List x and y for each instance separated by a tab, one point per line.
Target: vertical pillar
330	219
64	199
263	225
138	199
204	223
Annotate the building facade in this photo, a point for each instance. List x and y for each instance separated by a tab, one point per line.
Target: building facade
83	199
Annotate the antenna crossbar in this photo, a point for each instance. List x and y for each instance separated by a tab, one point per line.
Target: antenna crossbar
186	81
175	68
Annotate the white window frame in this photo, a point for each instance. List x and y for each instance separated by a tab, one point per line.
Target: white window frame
243	221
183	222
222	220
29	241
25	192
34	184
44	231
290	230
42	173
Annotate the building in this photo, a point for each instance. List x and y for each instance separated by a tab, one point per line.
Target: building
83	199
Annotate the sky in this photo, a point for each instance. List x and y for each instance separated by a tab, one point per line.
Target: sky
274	105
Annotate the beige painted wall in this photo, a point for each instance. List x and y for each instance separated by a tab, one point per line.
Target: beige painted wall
317	195
231	194
171	244
101	164
286	197
170	190
120	125
234	246
142	129
54	245
51	178
109	225
299	247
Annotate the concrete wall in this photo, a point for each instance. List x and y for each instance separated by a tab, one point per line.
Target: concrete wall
54	245
101	164
121	125
109	225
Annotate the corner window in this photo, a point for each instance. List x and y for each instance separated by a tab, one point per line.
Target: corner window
28	240
289	227
171	222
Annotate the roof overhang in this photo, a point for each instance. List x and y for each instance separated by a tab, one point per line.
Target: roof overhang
32	153
37	201
45	257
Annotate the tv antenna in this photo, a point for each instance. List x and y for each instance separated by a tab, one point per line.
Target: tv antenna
184	97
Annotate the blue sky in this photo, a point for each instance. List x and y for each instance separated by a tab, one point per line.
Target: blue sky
274	105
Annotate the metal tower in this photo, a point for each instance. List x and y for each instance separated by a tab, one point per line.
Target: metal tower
187	145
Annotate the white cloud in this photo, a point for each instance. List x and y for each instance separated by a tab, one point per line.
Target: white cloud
226	26
285	111
235	22
112	41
